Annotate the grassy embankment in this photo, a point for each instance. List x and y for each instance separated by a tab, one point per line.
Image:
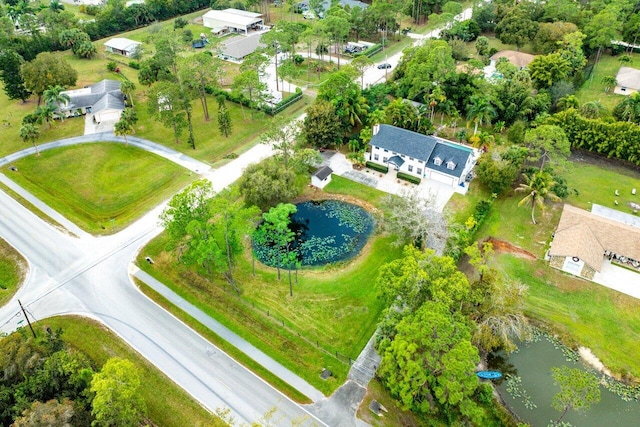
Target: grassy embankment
334	307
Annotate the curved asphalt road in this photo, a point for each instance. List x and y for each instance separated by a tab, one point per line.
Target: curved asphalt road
90	276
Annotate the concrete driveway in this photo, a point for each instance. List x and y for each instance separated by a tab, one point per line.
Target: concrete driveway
619	279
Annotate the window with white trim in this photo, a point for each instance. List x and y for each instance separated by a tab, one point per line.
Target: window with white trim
410	168
451	165
385	159
437	161
376	157
419	171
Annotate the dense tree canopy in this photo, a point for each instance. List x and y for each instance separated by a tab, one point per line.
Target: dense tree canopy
47	70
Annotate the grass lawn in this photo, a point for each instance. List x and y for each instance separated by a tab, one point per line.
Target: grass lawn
344	186
115	182
333	307
593	89
594	316
13	269
167	404
596	184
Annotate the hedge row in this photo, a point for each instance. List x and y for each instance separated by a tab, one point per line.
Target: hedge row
617	139
239	98
377	167
411	178
372	50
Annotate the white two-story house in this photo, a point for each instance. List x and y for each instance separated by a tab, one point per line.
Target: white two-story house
423	156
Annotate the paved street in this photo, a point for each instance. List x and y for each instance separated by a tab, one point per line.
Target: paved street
90	276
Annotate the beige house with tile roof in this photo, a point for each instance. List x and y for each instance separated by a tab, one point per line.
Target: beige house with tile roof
583	239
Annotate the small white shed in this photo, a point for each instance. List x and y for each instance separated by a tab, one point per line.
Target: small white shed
321	177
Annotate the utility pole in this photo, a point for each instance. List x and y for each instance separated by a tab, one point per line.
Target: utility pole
27	317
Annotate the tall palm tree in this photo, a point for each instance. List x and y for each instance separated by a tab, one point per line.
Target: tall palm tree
569	101
538	188
45	113
127	87
480	111
29	132
55	96
123	127
631	108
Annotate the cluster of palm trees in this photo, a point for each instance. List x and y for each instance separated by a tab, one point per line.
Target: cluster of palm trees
54	99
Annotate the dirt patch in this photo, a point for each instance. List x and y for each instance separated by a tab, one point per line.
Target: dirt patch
500	246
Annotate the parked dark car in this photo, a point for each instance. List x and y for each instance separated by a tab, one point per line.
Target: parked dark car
384	66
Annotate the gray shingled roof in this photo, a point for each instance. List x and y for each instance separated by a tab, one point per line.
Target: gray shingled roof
108	101
241	46
422	147
396	160
323	172
95	93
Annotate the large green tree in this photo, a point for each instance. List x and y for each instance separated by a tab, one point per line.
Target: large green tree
322	125
164	102
346	96
548	145
11	75
199	72
117	400
546	70
421	276
47	70
578	390
428	363
516	27
29	132
266	184
275	232
282	135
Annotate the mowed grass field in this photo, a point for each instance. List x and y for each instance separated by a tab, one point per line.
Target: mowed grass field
101	187
13	269
167	404
333	309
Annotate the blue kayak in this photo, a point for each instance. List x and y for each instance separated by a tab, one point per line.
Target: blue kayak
489	375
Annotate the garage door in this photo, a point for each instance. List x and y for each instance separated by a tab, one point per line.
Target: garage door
445	179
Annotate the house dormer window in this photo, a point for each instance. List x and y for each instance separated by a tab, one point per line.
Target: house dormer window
451	165
437	161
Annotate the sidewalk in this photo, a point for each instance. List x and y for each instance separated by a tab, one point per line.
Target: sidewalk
232	338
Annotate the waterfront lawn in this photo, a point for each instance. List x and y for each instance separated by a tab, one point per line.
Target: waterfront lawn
333	309
167	404
593	316
101	187
13	268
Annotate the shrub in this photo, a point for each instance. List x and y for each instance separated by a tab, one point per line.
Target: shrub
377	167
410	178
179	23
134	64
111	65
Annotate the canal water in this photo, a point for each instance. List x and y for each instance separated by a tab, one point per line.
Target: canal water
533	363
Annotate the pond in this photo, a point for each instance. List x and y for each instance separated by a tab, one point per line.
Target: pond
532	364
326	231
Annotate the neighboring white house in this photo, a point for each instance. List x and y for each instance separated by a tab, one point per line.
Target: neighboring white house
236	48
321	177
122	46
423	156
232	20
627	81
104	100
583	239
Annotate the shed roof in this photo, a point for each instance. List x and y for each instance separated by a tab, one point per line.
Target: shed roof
237	17
628	77
519	59
121	43
586	235
323	173
239	47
